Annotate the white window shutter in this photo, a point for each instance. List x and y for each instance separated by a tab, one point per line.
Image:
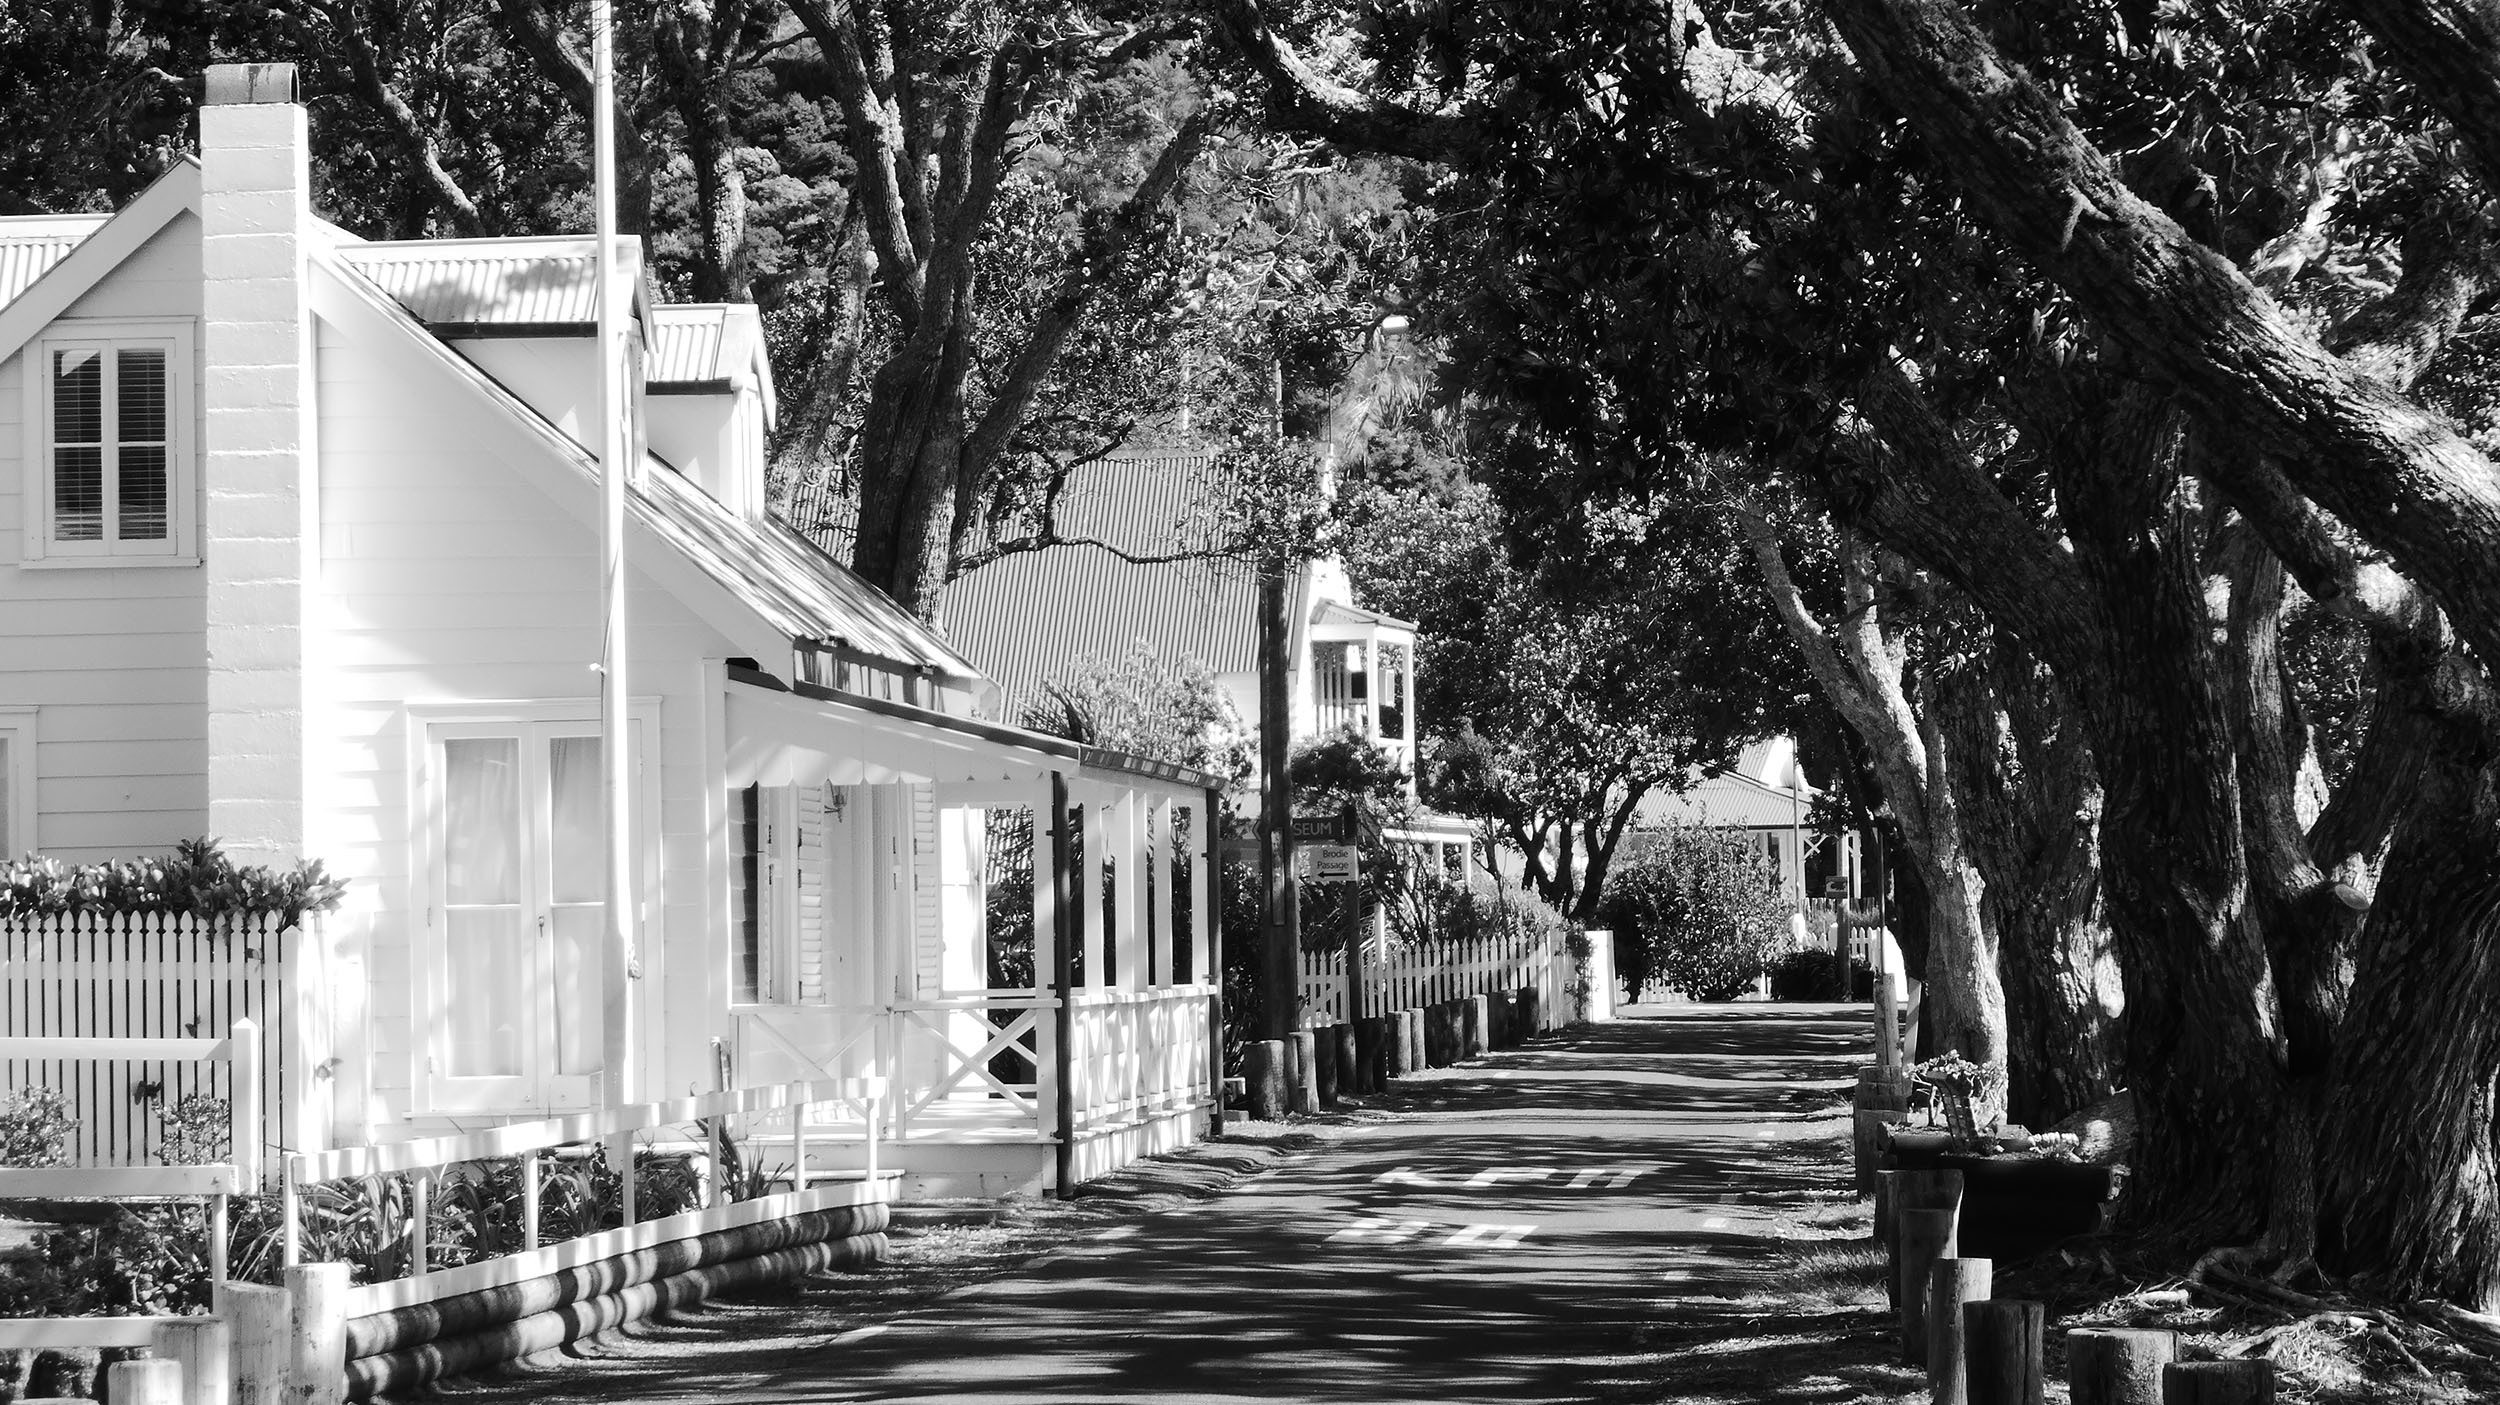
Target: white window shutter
812	867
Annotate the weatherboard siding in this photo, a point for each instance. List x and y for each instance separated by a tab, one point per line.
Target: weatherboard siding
450	575
114	658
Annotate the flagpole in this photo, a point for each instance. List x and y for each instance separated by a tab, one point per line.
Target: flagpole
620	964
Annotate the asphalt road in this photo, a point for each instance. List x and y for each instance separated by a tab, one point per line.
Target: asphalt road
1504	1236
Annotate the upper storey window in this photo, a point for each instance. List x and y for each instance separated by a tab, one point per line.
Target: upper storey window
108	421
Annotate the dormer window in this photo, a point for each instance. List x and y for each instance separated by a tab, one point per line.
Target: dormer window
108	436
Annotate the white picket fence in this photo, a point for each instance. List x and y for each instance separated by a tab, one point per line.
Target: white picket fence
1399	975
162	977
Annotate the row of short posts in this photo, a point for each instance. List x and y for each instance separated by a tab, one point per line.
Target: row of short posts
1979	1349
260	1346
1316	1068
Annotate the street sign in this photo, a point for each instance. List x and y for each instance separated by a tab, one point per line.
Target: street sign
1321	829
1331	863
1835	887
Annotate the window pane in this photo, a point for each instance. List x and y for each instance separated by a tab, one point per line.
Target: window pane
482	820
139	389
77	397
144	494
579	935
487	955
579	857
78	494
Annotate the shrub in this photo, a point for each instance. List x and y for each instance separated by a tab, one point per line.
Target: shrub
1814	976
35	1128
197	879
1703	906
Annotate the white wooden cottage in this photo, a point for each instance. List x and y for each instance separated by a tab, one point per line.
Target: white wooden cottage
298	549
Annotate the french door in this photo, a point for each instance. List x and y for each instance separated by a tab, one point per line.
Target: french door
517	918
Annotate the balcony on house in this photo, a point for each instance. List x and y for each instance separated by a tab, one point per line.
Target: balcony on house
1363	678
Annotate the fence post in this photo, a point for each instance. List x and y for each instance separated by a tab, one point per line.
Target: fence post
1926	1236
1952	1283
2118	1365
529	1200
258	1342
2003	1351
243	1131
420	1208
290	1213
152	1381
798	1132
2213	1383
317	1375
200	1346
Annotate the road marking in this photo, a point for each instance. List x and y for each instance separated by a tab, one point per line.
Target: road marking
1715	1222
1489	1236
1585	1178
1380	1229
1605	1177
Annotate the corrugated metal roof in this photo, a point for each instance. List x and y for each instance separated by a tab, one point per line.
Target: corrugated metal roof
686	345
806	594
546	282
801	592
1340	612
31	244
703	344
1024	618
1729	799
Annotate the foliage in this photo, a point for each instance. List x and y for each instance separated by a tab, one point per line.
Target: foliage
1554	697
1704	907
196	880
1815	976
1950	1073
1142	703
35	1128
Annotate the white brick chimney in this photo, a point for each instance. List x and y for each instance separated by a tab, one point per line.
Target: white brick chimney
259	524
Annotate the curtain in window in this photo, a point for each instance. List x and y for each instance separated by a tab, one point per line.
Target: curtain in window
486	934
577	884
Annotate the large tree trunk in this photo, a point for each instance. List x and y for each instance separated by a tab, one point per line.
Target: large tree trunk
2409	1190
2031	798
911	450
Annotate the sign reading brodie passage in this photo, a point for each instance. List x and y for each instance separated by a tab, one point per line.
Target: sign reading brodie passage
1331	863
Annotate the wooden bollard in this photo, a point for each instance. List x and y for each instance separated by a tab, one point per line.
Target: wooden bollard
2118	1365
1264	1080
260	1341
156	1380
1326	1076
1926	1236
1951	1284
201	1347
2001	1351
318	1373
1411	1033
1351	1081
1879	1227
1869	1126
2215	1383
1302	1072
1916	1190
1531	1012
1471	1027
